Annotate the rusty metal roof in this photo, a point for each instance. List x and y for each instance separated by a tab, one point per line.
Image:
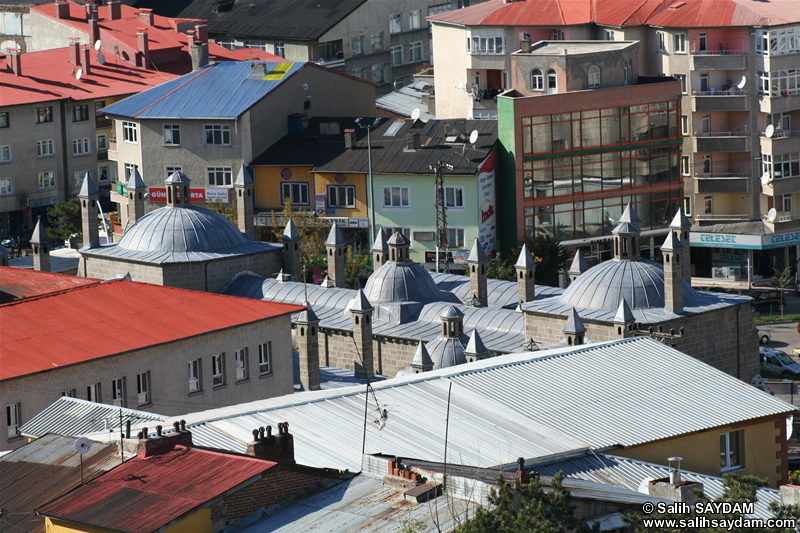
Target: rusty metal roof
18	283
43	470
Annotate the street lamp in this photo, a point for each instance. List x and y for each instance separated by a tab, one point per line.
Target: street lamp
364	123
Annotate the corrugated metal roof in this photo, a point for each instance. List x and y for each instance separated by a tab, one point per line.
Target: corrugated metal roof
72	416
147	493
157	315
503	294
43	470
405	100
16	283
223	90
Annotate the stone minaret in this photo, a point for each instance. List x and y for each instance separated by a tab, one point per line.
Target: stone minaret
88	197
307	327
380	250
41	247
623	317
577	266
672	250
422	361
136	190
335	248
398	248
291	251
178	185
477	262
475	350
526	270
626	235
243	186
452	323
574	329
681	225
362	334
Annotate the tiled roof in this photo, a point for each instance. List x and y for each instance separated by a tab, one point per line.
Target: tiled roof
16	283
83	322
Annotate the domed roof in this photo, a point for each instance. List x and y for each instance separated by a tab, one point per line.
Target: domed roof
446	352
401	282
182	229
639	281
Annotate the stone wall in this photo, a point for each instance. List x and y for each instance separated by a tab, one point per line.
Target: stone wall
390	354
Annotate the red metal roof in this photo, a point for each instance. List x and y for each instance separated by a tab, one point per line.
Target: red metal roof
16	283
725	13
147	493
81	324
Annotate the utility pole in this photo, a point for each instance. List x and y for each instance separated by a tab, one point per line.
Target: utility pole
441	214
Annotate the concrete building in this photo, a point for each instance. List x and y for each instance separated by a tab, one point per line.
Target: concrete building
15	27
130	344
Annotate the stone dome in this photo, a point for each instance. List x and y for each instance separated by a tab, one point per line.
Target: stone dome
182	229
401	282
446	352
639	281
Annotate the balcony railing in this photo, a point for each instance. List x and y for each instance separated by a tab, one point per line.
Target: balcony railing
718	52
781	134
720	92
722	183
736	132
715	216
788	217
712	175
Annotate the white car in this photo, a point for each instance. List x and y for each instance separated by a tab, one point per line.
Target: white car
763	336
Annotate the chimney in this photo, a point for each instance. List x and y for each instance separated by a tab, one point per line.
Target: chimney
94	28
14	61
114	10
522	475
146	16
412	142
62	9
190	39
277	448
201	29
361	311
349	139
143	47
41	247
335	249
477	262
163	443
525	42
74	51
199	55
574	330
307	325
673	488
87	68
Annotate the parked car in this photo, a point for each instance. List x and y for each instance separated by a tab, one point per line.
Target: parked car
763	298
777	362
763	336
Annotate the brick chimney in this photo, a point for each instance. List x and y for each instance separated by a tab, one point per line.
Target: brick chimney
74	51
143	48
85	62
146	16
190	39
201	29
14	61
94	27
277	448
62	9
114	10
349	139
163	443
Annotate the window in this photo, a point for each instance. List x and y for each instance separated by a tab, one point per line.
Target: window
79	177
98	105
379	73
730	451
118	392
397	55
258	45
682	78
684	125
218	369
341	196
44	114
685	165
707	164
557	35
265	358
679	41
230	44
398	83
169	171
13	420
241	357
4	123
218	134
6	185
702	42
687	206
405	231
102	142
195	384
69	393
780	121
377	42
396	23
485	41
80	147
47	180
414	20
395	196
297	193
5	154
172	135
704	82
454	197
708	206
437	9
104	173
280	49
143	388
93	393
80	113
661	45
218	176
357	45
537	80
455	237
130	132
609	34
783	203
552	81
705	123
594	76
415	49
129	169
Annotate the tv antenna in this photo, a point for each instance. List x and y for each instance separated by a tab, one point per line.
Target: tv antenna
82	446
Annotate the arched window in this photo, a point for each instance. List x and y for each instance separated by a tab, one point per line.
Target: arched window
537	80
552	82
594	76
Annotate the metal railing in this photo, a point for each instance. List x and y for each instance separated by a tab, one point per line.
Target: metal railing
723	217
732	133
721	52
712	175
780	134
720	92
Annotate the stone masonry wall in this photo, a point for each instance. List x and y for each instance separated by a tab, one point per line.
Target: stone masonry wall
390	354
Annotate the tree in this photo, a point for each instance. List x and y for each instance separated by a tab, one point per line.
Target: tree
527	508
311	230
783	281
356	268
499	268
64	220
228	212
550	258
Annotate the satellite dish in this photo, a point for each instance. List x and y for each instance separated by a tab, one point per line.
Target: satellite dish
741	83
766	179
415	114
473	136
97	44
101	59
769	132
305	86
79	74
460	84
83	445
789	426
772	214
644	486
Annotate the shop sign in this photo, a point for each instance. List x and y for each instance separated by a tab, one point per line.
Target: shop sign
781	240
424	235
725	240
159	194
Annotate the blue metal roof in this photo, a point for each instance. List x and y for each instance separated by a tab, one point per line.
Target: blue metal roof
223	90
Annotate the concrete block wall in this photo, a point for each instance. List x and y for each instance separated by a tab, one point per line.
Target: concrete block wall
390	354
104	268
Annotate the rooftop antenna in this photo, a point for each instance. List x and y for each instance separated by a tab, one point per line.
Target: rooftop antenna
82	446
441	213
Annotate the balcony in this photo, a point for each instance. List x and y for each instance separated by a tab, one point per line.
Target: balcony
783	185
734	217
782	141
778	103
722	141
784	222
112	145
717	182
718	100
719	60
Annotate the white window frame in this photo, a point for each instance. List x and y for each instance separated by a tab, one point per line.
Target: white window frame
168	132
726	450
93	393
610	35
109	170
130	132
129	168
265	358
684	125
169	170
143	388
377	42
537	80
682	78
379	73
295	187
685	169
552	81
280	49
219	176
594	76
69	393
4	119
456	239
44	114
218	370
456	193
80	113
101	140
13	420
5	153
557	35
687	206
401	192
81	147
405	230
79	176
6	185
45	148
342	196
118	392
662	41
220	134
396	23
47	179
414	19
708	205
397	55
357	46
195	376
486	41
258	45
679	42
415	52
783	203
241	357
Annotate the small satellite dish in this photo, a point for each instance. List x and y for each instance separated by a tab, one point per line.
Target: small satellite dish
473	136
415	114
83	445
741	83
789	426
97	44
644	486
79	74
766	179
460	84
772	214
101	59
305	86
769	132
